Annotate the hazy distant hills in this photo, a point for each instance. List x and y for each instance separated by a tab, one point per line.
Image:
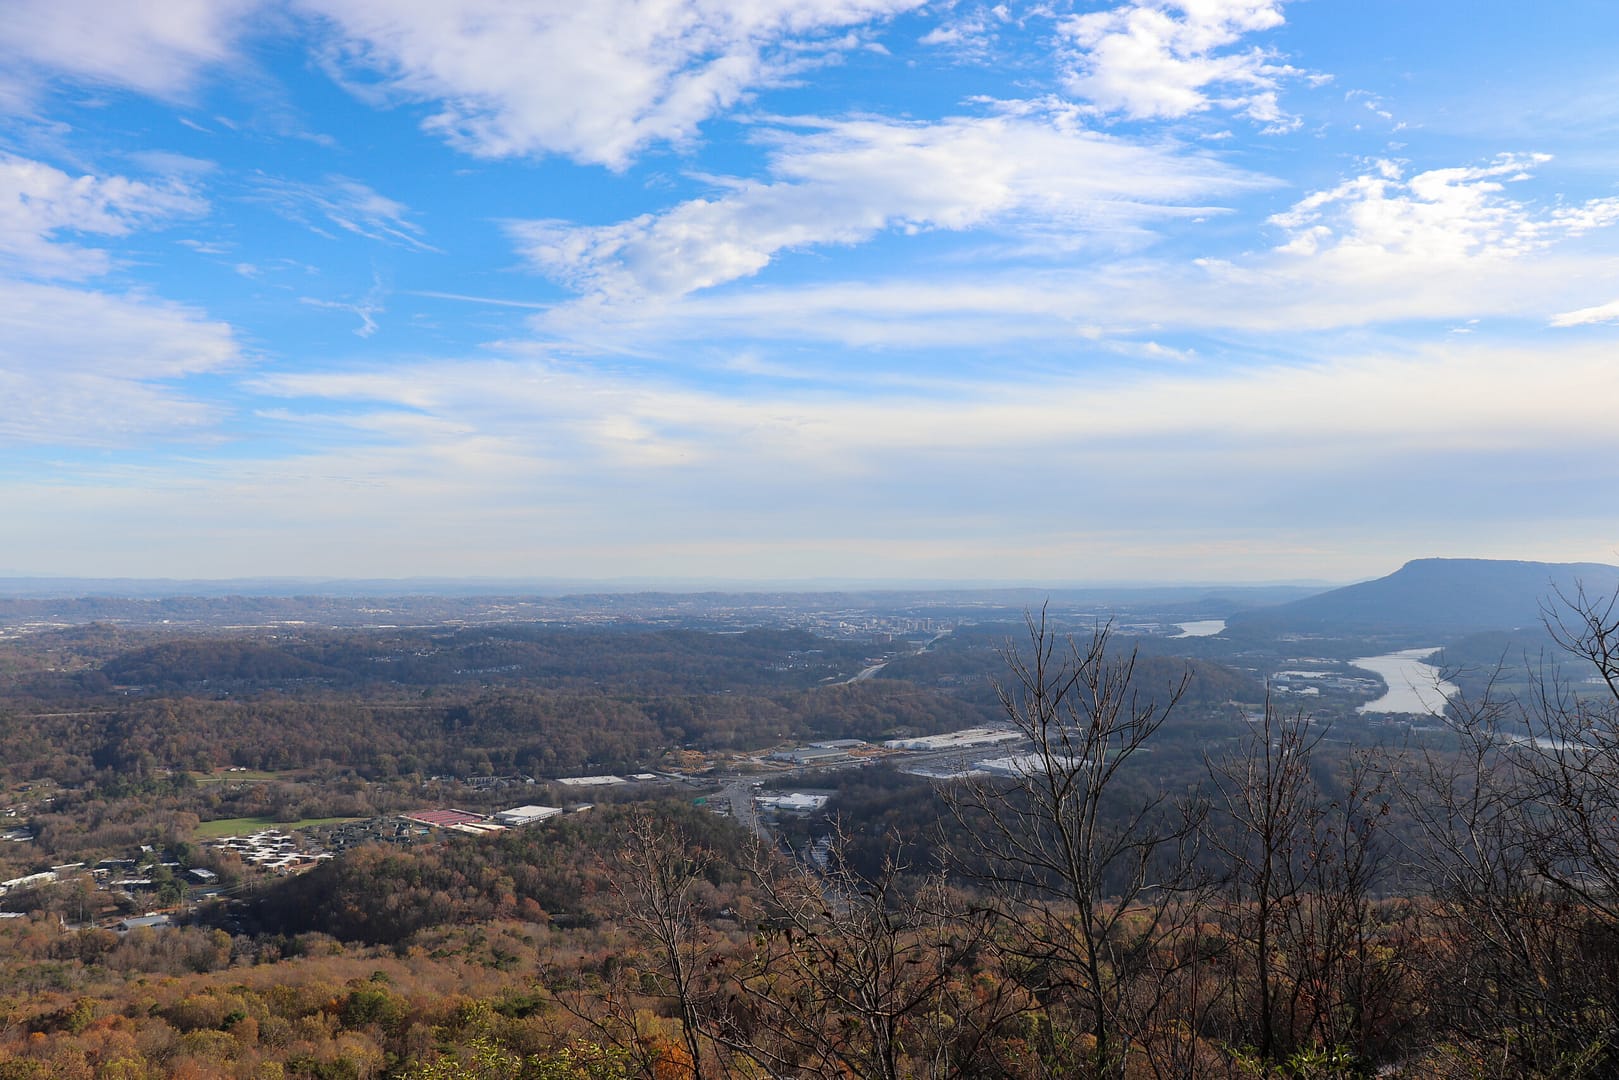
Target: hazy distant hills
1425	597
1437	596
241	603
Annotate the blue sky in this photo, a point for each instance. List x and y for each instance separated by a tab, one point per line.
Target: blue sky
1241	290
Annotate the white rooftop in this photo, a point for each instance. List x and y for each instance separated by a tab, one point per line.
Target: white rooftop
798	801
952	740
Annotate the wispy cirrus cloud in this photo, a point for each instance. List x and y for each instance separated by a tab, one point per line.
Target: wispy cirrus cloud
842	182
1452	396
345	204
366	308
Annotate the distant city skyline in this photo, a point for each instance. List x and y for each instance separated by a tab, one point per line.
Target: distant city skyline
866	290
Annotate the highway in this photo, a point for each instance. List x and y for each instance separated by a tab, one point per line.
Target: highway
740	792
866	673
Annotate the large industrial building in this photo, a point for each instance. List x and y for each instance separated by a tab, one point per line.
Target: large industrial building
526	815
965	739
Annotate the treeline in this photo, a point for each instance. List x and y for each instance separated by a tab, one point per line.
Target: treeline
538	732
99	659
972	660
555	657
109	705
113	706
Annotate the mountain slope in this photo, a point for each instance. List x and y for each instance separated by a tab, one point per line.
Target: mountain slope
1439	595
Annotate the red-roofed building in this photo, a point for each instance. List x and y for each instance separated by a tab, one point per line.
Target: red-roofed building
443	819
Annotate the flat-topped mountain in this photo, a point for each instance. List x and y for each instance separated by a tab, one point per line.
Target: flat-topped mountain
1439	595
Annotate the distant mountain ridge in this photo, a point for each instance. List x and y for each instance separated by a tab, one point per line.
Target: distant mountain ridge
1440	596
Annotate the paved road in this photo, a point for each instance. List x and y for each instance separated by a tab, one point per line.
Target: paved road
740	793
866	673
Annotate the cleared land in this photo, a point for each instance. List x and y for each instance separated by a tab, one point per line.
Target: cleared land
241	826
223	775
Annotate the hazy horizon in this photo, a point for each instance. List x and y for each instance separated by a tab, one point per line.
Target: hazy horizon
9	582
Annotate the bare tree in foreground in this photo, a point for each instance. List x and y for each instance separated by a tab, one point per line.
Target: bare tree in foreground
1302	862
1519	836
845	976
1268	796
1093	871
878	978
656	875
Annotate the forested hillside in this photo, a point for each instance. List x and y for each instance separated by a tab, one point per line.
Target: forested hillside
1164	875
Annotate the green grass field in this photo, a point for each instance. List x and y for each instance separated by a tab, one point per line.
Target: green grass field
241	826
221	776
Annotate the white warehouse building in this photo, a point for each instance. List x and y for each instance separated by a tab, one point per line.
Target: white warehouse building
956	740
526	815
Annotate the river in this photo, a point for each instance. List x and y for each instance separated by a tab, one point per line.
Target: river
1414	686
1201	628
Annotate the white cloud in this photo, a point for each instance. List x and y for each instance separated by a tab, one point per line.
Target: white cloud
348	204
970	32
1380	248
1444	243
1436	218
660	475
77	366
1451	398
207	247
83	368
533	463
62	329
938	311
1152	59
39	203
1600	313
158	49
843	182
598	81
